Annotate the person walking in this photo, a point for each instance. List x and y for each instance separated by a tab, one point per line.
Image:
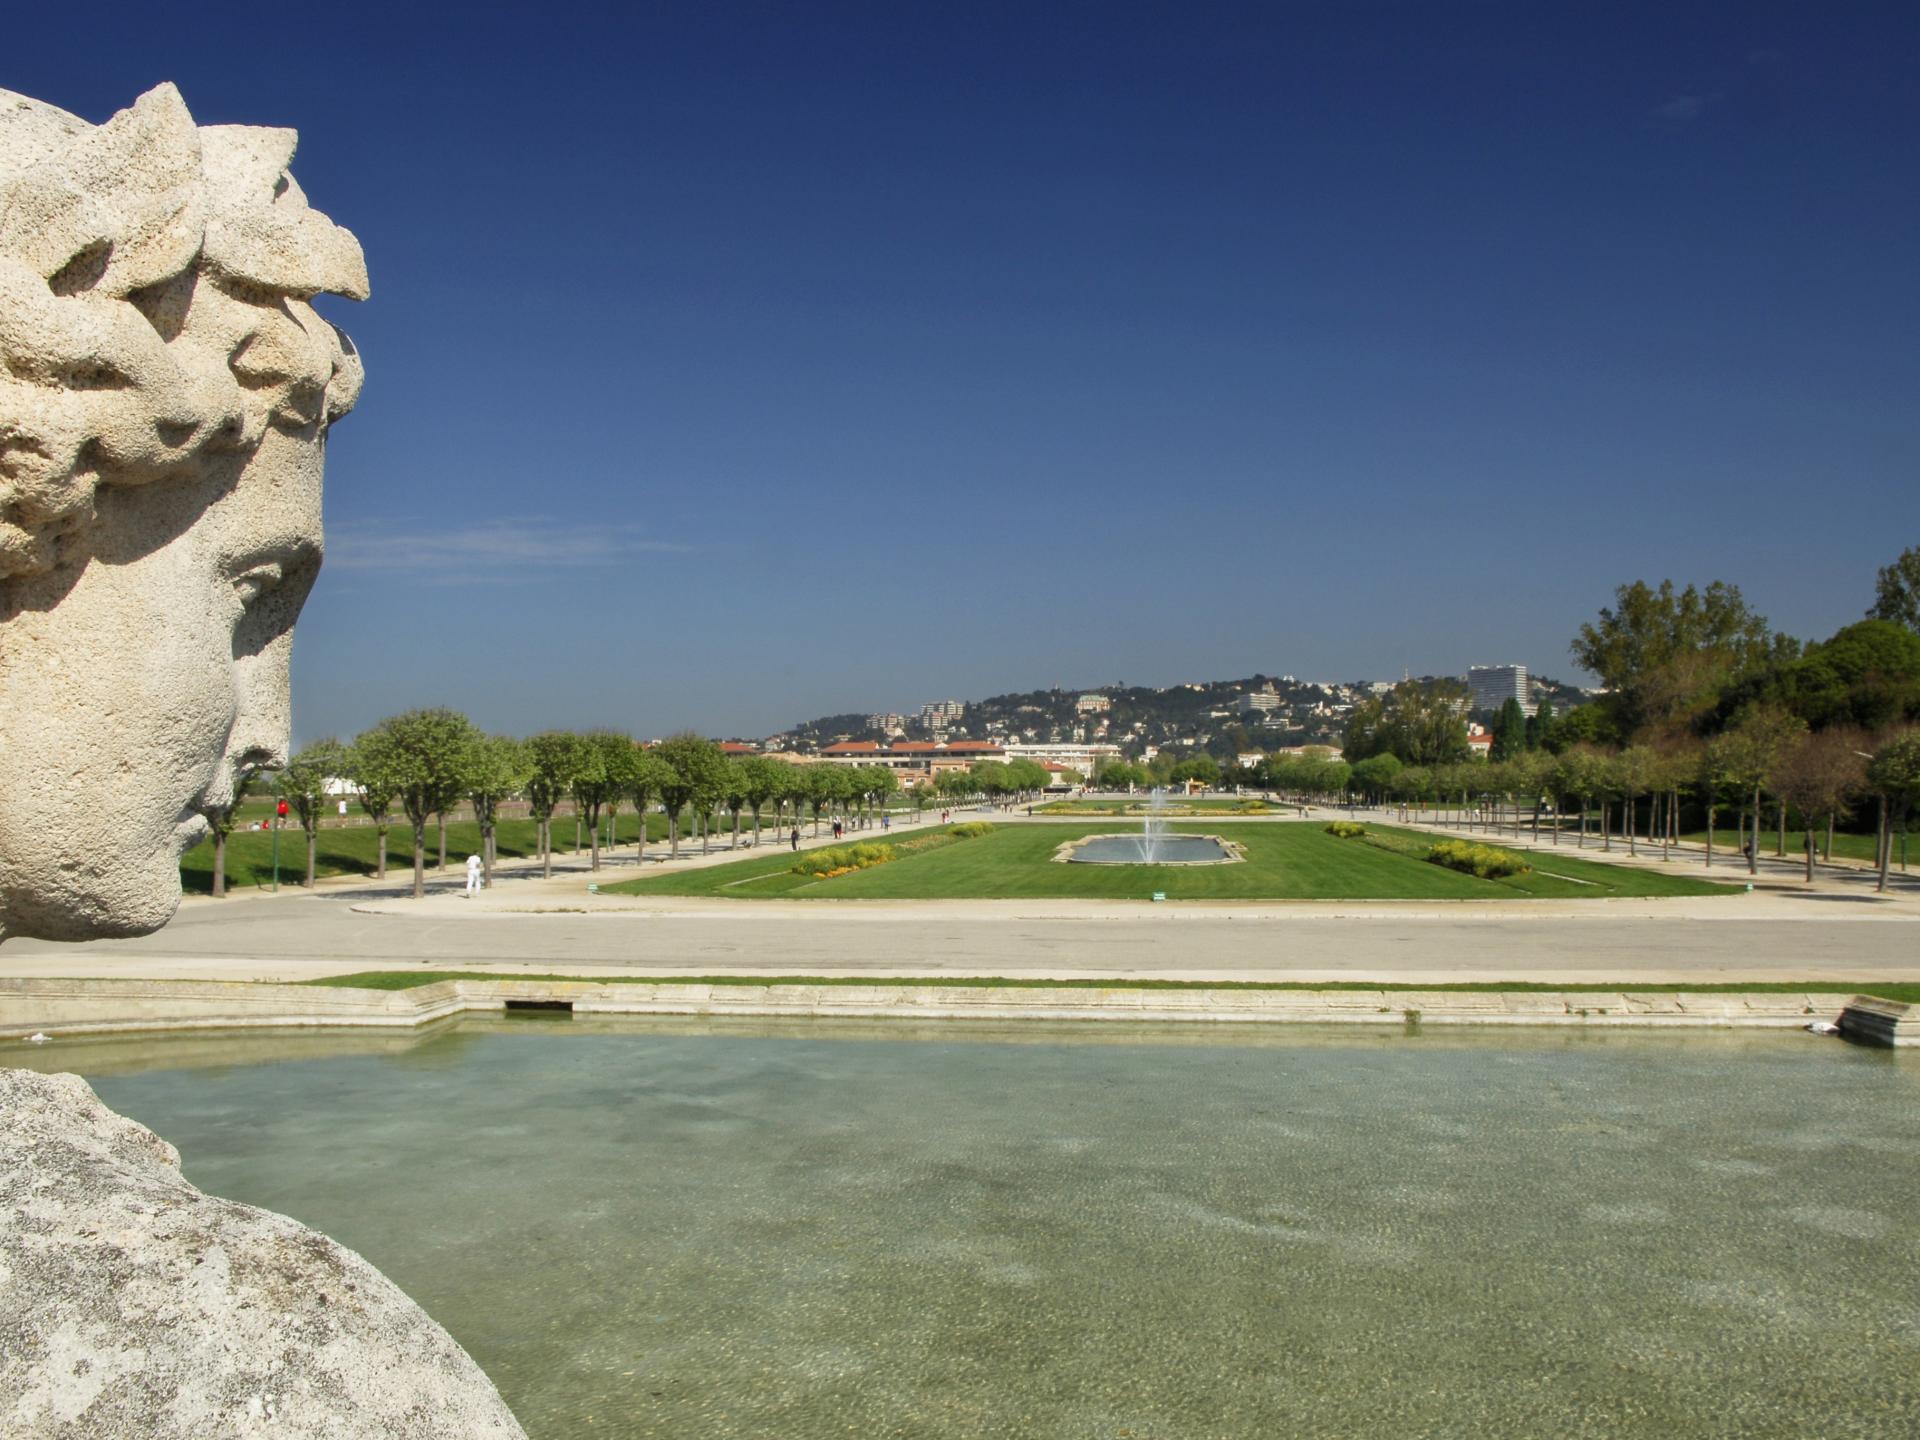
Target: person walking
795	837
473	875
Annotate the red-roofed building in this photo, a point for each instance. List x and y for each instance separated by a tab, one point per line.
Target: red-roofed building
914	761
734	747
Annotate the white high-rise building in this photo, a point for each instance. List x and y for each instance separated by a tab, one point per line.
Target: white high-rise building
1491	686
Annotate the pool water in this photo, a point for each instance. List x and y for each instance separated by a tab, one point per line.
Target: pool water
693	1229
1166	850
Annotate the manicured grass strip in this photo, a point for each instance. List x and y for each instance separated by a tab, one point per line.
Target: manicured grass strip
412	979
1283	862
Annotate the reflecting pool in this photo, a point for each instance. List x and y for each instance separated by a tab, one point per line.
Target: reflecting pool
1160	849
705	1230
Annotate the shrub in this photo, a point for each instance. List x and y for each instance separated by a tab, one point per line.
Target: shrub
1346	830
843	860
1485	861
970	829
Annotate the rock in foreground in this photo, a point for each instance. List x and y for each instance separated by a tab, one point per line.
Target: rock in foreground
131	1304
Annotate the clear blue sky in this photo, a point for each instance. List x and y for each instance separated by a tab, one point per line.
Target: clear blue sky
729	364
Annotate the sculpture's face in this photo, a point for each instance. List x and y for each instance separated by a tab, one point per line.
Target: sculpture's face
133	702
165	394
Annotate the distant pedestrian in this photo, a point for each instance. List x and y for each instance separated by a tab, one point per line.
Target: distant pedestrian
473	875
886	822
795	837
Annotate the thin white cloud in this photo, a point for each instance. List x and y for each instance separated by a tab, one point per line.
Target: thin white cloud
492	550
1682	108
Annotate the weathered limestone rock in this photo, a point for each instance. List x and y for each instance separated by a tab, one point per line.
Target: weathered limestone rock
133	1305
166	389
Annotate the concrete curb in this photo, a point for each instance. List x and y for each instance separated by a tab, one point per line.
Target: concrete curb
80	1007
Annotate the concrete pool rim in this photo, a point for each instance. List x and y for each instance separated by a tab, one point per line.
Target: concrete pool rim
69	1007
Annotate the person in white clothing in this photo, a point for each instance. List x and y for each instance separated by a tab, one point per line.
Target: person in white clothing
473	875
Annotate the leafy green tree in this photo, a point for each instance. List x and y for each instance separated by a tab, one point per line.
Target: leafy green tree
1374	776
1893	775
501	769
423	757
648	780
1509	731
1896	596
303	785
1420	722
1537	725
698	765
1580	771
1666	655
764	780
1866	675
553	758
376	799
1638	771
733	794
1747	756
601	777
1201	769
1583	725
1820	775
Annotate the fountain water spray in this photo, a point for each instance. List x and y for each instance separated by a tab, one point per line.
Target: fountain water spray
1154	828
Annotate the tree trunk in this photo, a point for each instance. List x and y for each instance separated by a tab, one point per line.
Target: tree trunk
1780	841
220	864
736	829
1633	838
546	848
312	846
442	818
380	873
1885	846
1710	814
1753	850
756	827
640	844
673	834
1606	824
1827	854
419	859
706	833
486	856
1809	849
593	832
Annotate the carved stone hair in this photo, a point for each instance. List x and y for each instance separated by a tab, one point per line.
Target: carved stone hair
105	233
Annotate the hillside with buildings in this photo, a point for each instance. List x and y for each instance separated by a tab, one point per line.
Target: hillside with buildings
1224	718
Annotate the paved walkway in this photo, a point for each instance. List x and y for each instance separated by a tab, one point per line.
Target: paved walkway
1836	930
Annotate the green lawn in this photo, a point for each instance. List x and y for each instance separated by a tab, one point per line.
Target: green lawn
1845	846
1284	862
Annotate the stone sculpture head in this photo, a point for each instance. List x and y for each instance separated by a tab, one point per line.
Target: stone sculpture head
165	394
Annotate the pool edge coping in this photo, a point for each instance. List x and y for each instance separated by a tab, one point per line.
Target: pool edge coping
64	1007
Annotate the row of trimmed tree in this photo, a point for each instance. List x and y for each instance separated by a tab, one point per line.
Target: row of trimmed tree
422	765
1768	766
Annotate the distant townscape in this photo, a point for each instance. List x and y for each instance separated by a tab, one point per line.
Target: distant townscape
1227	719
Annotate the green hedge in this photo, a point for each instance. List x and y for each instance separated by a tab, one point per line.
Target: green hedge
1346	830
840	859
1485	861
970	829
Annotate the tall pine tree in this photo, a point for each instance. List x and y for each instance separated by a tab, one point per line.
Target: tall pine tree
1509	731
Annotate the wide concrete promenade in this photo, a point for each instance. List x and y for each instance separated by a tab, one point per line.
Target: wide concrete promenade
1759	937
1838	930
